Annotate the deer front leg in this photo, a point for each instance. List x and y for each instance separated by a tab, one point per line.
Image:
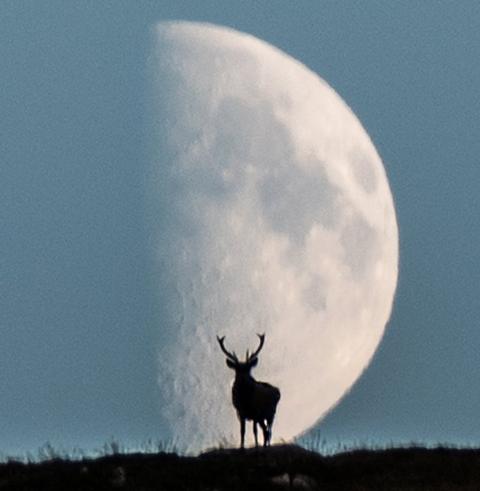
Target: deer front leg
255	433
242	432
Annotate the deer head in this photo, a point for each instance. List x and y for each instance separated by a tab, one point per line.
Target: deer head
241	367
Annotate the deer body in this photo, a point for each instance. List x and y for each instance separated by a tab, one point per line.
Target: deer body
254	401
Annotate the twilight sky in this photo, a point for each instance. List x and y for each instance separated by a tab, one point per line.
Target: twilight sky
78	309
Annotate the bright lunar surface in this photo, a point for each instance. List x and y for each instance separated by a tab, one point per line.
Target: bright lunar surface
270	211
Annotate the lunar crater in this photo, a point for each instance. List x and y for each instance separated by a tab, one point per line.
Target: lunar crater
294	200
364	172
236	144
360	244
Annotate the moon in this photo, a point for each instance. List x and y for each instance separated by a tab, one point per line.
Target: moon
269	210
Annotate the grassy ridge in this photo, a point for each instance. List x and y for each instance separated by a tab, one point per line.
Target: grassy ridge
275	468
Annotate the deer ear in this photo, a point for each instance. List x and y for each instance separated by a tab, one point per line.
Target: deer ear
230	364
253	363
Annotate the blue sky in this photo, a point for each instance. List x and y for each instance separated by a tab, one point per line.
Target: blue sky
76	287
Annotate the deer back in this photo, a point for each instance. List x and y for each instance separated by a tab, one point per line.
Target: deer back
255	400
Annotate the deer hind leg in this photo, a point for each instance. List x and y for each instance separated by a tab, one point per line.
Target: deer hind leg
266	432
242	433
269	428
255	433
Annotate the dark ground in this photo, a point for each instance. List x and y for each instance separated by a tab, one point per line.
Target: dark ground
275	468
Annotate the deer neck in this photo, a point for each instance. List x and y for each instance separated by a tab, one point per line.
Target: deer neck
243	381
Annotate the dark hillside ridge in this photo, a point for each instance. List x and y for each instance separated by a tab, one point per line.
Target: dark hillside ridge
275	468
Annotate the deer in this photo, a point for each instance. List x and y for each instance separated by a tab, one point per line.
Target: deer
253	400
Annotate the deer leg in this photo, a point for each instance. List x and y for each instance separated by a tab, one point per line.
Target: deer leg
242	433
265	433
269	427
255	433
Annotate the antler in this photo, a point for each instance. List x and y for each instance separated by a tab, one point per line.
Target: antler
231	356
260	346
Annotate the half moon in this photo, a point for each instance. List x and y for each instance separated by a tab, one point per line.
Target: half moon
270	211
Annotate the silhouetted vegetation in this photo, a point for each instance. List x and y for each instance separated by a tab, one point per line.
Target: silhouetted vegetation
273	468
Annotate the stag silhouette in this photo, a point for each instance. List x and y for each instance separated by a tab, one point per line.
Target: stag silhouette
255	401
